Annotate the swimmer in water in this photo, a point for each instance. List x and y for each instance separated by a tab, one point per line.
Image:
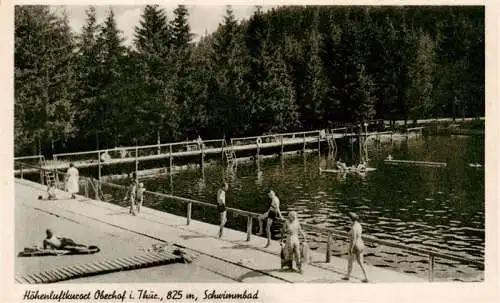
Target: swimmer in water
389	157
361	166
356	247
341	165
272	213
221	207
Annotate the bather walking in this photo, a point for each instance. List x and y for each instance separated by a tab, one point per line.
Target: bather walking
356	247
221	207
270	215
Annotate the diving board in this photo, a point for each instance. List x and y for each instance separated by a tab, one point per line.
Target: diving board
415	163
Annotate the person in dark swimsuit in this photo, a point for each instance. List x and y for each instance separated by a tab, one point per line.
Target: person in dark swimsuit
221	206
54	242
272	213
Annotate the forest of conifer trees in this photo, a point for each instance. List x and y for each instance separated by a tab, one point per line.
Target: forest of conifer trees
289	68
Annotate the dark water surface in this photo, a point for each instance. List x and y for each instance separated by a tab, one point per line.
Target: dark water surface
426	207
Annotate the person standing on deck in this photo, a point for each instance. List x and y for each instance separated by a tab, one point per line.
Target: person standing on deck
356	247
72	180
221	207
131	195
270	215
140	196
292	247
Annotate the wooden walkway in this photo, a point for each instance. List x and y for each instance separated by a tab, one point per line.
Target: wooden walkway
193	149
241	260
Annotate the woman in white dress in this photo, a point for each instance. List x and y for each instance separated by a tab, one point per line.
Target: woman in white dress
72	180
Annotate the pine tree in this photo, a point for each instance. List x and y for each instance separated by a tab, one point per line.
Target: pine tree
44	79
152	36
227	57
363	97
420	74
180	29
110	106
280	109
88	83
152	42
314	86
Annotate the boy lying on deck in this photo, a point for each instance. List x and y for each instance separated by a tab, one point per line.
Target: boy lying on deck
56	246
51	192
54	242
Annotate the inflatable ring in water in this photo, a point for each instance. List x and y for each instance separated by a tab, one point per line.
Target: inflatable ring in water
259	141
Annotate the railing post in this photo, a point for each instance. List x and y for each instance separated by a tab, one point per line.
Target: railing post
99	164
170	158
304	144
158	141
202	148
21	171
96	189
136	161
222	150
249	227
319	145
431	267
257	156
328	248
281	153
86	188
189	213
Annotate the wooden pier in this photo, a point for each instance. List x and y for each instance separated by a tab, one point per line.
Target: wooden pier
415	163
197	148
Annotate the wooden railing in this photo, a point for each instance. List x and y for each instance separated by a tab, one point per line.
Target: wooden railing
40	158
329	233
141	151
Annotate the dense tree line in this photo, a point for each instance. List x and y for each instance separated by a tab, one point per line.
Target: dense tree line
290	68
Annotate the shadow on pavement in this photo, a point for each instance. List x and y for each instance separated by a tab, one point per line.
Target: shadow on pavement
189	237
254	274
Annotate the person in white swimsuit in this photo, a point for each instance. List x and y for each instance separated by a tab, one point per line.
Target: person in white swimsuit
292	247
356	247
140	196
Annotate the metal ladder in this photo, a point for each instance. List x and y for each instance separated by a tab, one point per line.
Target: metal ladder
332	145
229	153
50	175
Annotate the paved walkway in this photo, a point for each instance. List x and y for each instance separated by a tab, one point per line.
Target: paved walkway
119	235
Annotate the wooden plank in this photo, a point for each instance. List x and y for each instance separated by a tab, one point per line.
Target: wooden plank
417	163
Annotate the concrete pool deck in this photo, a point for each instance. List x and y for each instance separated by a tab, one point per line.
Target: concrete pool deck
118	234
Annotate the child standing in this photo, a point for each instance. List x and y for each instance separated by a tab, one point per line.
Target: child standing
132	189
140	196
